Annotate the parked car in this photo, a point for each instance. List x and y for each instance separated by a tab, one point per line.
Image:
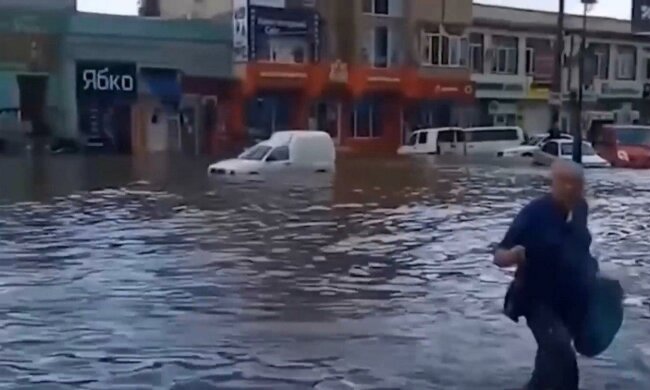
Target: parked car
563	148
528	147
304	151
459	141
441	140
490	140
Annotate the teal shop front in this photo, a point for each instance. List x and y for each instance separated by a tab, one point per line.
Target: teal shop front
154	116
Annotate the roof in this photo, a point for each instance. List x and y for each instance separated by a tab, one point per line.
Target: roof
504	17
148	28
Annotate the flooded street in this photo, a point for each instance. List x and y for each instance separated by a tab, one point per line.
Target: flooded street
137	274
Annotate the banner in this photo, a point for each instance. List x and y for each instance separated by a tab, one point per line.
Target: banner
240	30
641	16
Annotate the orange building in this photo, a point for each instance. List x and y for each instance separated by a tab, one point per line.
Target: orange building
368	72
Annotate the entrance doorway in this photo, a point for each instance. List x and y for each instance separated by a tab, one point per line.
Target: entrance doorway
328	116
33	92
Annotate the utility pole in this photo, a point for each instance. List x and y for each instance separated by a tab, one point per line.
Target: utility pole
578	130
557	71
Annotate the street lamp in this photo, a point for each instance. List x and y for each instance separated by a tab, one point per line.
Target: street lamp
577	130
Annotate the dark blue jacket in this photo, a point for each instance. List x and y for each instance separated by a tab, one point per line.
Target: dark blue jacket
559	269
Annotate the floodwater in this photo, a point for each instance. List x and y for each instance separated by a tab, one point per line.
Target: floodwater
144	274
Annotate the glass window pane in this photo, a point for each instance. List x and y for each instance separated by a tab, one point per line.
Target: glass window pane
381	47
381	7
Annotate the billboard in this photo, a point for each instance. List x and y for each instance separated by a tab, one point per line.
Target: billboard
240	30
641	16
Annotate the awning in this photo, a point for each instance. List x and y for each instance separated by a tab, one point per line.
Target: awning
164	84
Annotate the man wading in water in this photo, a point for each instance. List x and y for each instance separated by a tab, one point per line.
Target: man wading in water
549	244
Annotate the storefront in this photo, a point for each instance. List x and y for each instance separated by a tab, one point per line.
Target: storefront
157	55
281	46
105	93
28	86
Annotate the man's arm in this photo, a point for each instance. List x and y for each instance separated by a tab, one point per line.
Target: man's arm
511	251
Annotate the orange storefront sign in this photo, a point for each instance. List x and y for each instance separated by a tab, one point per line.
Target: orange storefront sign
314	79
306	77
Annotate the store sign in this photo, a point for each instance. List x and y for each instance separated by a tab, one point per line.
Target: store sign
641	16
284	32
269	3
240	30
538	94
499	90
106	79
610	91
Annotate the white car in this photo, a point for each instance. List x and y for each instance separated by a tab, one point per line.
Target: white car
529	147
304	151
553	149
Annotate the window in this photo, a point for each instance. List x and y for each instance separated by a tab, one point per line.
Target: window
381	47
601	55
366	119
505	53
551	148
567	149
476	52
530	61
281	153
446	136
256	153
626	63
440	49
413	139
383	7
647	68
491	135
423	137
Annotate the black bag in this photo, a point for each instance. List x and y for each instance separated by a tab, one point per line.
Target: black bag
603	318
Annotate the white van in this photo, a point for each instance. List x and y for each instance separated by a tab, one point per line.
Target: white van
305	151
491	140
443	140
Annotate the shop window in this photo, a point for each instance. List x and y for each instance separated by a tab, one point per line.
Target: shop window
366	119
267	114
442	49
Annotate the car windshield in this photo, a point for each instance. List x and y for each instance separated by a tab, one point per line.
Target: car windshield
587	150
633	136
256	153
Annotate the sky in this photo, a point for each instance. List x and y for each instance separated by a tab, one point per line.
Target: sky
613	8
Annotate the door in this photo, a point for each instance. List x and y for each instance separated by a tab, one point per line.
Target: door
448	142
328	119
33	92
278	159
548	153
424	142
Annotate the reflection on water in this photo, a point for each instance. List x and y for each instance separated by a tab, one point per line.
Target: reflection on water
120	273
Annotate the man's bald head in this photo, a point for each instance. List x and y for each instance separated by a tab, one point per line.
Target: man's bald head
567	169
568	182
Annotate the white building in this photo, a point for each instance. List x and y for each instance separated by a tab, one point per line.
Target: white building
511	55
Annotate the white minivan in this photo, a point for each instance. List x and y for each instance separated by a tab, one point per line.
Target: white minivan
443	140
491	140
304	151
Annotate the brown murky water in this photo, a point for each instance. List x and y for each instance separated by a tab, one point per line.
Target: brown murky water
119	273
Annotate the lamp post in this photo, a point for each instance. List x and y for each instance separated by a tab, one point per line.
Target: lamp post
556	85
578	128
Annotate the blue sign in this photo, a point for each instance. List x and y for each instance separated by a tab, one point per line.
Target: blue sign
284	34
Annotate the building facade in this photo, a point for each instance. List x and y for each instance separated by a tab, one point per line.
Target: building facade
136	85
511	55
368	72
29	40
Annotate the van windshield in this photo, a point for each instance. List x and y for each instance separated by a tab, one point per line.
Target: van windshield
257	153
633	136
